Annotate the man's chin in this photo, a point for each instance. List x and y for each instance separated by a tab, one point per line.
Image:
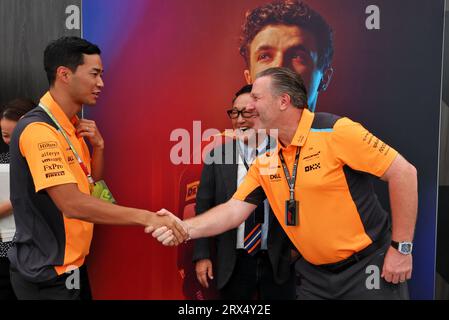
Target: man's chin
90	102
258	126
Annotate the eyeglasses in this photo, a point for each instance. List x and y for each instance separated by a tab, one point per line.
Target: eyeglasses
234	113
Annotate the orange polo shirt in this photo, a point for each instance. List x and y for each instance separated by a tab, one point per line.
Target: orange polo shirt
51	162
339	213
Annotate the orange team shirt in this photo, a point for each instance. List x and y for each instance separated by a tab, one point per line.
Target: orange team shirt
51	163
339	213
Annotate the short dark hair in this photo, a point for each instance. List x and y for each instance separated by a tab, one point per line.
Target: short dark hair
288	12
67	52
15	109
284	80
245	89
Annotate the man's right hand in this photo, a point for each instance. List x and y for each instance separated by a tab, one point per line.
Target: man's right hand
203	269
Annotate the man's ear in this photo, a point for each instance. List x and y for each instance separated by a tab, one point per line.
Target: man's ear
247	76
285	101
63	73
327	76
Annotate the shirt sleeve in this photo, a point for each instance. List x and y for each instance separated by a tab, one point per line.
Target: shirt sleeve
356	147
250	190
40	145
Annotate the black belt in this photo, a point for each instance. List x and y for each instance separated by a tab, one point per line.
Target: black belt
356	257
261	253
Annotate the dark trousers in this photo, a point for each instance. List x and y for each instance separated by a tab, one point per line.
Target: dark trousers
6	291
360	281
253	278
62	287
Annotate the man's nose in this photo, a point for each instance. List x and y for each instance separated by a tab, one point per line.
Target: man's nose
100	82
240	118
250	107
279	60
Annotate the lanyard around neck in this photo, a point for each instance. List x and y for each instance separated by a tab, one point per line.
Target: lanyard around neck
290	180
242	155
60	129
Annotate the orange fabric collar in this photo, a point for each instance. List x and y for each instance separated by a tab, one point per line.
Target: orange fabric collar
305	123
58	113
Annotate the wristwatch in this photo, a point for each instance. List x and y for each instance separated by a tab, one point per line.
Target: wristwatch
403	247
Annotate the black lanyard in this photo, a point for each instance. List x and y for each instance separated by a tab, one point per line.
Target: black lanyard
290	180
243	156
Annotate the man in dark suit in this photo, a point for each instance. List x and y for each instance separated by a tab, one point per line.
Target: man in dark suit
254	260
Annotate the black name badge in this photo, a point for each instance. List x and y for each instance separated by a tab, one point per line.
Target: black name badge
291	212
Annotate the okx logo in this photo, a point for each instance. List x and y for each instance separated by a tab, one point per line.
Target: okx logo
314	166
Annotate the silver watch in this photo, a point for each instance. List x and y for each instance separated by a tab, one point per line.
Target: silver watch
403	247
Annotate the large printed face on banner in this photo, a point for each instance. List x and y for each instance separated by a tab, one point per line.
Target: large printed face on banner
290	46
172	68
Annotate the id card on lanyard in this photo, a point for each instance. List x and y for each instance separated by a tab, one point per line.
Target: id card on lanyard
291	205
98	189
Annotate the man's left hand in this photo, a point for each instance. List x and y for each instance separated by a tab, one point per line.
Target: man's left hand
397	266
88	129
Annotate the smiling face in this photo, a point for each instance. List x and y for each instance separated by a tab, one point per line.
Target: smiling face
264	103
240	104
286	46
242	124
86	82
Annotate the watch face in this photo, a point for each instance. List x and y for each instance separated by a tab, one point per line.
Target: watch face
405	248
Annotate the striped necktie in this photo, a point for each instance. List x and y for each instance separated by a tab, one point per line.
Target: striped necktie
253	230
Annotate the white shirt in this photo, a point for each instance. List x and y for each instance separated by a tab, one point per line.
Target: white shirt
7	225
250	156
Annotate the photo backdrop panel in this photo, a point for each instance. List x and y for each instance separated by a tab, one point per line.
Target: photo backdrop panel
169	63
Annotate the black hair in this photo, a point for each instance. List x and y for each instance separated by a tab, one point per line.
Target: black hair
245	89
67	52
15	109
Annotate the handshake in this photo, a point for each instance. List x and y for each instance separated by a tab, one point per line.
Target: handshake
167	228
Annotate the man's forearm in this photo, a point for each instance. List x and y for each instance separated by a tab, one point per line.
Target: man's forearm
94	210
97	163
77	205
219	219
403	191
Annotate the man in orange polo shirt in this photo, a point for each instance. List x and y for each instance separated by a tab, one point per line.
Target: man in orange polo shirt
319	186
53	176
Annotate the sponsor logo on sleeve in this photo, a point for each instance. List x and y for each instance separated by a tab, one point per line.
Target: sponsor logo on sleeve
54	174
52	167
47	145
49	154
56	159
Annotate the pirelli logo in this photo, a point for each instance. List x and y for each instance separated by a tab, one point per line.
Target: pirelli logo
192	189
54	174
47	145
